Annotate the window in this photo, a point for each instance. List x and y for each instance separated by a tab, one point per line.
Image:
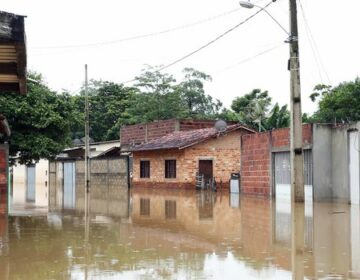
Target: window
170	168
145	169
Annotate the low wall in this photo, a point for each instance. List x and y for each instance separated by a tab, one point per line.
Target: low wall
108	184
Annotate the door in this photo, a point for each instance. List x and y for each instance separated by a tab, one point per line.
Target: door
69	185
206	169
354	167
30	183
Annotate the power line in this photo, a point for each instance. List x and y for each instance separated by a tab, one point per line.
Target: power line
251	57
141	36
209	43
313	46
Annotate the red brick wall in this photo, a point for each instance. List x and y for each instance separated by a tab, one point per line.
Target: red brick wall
255	164
195	124
3	179
256	157
139	133
281	137
132	134
160	128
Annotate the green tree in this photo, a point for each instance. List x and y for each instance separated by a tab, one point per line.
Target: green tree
338	104
156	98
196	104
40	121
108	104
278	117
252	108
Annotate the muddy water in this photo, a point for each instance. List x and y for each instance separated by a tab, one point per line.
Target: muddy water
178	235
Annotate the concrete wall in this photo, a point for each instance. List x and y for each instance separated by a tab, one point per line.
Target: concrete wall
108	186
331	162
322	162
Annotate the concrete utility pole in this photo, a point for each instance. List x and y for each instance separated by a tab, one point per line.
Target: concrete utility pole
296	151
87	159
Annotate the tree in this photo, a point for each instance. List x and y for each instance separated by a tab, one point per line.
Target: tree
108	103
338	104
252	108
279	117
156	98
196	103
40	121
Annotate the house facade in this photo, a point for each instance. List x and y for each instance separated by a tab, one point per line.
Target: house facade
174	160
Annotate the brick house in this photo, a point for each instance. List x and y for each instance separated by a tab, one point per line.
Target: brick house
174	159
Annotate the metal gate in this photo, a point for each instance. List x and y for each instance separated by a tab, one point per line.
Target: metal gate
282	174
30	183
69	185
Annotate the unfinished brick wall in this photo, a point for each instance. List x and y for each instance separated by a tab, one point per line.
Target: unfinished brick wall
255	164
140	133
3	178
224	151
281	137
256	157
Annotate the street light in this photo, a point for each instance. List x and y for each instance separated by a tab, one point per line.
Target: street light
296	152
249	5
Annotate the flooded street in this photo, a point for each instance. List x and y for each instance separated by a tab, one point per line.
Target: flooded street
158	234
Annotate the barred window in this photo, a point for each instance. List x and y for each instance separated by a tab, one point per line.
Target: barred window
144	169
170	168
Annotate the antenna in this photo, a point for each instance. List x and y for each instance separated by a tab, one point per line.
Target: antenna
220	126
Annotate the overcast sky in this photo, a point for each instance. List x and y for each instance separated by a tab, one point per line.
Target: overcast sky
64	35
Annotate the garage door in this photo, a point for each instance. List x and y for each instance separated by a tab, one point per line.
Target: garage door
282	180
283	177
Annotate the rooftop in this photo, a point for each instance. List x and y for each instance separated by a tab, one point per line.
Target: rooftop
183	139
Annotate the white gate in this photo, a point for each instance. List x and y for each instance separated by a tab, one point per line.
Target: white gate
30	183
69	185
354	167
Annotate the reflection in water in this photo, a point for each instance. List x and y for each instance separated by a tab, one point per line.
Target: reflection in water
178	235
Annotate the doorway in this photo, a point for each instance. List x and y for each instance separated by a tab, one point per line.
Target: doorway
206	169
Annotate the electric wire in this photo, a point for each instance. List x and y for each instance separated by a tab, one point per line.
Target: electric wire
251	58
313	46
141	36
208	43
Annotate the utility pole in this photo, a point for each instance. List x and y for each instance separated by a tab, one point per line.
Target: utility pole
296	151
87	159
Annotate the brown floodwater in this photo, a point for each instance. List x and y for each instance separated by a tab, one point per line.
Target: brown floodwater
159	234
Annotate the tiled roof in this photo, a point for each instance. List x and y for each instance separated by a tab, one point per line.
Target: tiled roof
183	139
